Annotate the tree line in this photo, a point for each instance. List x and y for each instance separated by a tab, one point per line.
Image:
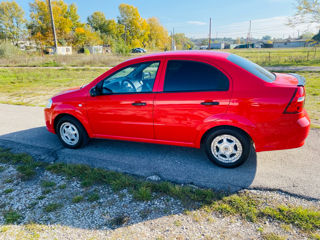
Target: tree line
129	30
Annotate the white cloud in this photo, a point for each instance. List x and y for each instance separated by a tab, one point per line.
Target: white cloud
197	23
275	27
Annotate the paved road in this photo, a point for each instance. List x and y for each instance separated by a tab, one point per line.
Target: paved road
295	171
274	69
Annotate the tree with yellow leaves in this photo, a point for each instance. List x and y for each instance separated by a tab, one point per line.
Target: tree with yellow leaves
11	21
65	17
136	28
158	37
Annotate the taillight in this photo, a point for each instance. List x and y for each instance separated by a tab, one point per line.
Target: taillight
297	101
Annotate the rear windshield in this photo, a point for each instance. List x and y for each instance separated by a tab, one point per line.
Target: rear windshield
252	68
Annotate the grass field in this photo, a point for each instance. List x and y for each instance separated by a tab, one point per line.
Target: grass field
34	86
265	57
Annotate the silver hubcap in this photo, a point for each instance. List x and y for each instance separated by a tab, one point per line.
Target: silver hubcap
226	148
69	133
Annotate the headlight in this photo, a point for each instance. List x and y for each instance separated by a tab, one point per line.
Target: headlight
49	104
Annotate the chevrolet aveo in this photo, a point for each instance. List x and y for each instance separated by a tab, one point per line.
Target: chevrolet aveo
217	101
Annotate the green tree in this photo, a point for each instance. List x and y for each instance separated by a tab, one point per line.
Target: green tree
110	30
182	42
11	21
317	37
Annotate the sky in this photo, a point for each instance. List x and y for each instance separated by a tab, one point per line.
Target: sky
230	18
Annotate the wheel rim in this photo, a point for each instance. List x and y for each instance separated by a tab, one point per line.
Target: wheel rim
226	148
69	133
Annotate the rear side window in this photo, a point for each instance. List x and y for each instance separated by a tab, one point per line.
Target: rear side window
253	68
190	76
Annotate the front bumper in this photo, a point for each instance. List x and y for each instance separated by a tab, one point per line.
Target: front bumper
48	116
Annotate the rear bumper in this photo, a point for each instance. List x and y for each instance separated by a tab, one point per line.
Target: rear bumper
48	116
290	132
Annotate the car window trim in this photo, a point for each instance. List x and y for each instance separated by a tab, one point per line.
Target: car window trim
156	61
181	91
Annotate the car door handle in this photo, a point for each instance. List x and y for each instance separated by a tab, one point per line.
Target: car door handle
210	103
139	104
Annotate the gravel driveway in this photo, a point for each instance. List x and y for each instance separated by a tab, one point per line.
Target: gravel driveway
293	171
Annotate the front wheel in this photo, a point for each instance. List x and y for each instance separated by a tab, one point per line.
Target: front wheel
227	147
71	132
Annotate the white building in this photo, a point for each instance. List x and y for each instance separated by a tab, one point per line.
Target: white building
65	50
290	44
95	49
217	46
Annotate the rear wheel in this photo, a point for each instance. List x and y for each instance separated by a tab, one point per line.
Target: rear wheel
71	132
227	147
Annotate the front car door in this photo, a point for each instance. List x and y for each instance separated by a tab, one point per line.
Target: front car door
192	92
125	108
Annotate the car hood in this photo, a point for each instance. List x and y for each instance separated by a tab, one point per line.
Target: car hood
70	90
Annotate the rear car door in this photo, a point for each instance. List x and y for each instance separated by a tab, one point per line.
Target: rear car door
192	92
125	108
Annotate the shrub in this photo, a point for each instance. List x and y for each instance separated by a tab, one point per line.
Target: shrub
8	50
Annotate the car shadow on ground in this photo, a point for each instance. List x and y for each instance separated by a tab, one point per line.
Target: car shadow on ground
172	163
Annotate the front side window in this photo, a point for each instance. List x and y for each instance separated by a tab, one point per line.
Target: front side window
137	78
191	76
253	68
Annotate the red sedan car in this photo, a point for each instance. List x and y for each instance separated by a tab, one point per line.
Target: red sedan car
214	100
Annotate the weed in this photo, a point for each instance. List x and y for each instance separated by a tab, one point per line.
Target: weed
305	219
92	197
11	217
9	180
25	164
241	204
62	186
46	191
142	194
286	227
41	197
177	223
77	199
260	229
315	236
2	169
52	207
48	184
7	191
272	236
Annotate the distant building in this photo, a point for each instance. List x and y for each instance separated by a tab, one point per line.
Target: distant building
65	50
95	49
217	46
290	43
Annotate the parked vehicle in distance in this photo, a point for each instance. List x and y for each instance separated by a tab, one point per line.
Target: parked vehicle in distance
214	100
138	50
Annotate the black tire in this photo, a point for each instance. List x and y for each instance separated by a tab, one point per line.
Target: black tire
82	133
242	138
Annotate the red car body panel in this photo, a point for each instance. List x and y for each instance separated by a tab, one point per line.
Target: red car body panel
178	118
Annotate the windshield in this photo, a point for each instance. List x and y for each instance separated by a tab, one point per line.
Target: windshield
253	68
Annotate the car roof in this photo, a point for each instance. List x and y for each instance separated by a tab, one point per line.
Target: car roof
187	53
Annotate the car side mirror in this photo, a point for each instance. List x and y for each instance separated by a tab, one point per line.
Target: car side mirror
95	91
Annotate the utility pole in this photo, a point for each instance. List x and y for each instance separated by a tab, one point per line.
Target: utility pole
173	45
53	27
209	44
249	35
